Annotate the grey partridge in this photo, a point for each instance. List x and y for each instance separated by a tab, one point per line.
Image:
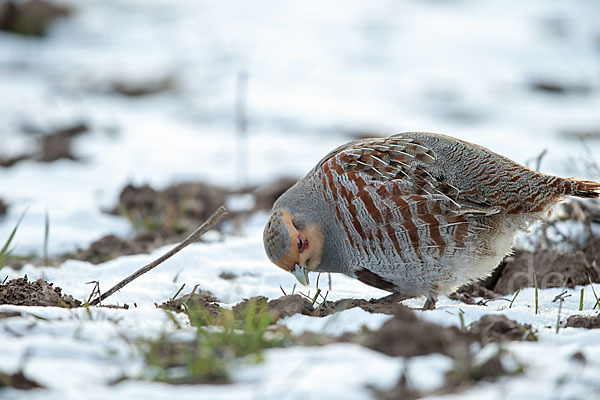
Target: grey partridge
415	214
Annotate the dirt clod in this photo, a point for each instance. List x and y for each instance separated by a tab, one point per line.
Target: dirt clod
498	328
138	89
10	161
583	321
468	293
579	356
170	212
203	299
286	306
467	372
553	268
159	217
9	314
57	144
49	145
373	306
559	88
228	276
17	381
490	369
110	246
406	335
176	208
31	18
21	292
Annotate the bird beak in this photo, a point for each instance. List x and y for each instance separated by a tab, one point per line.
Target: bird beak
301	274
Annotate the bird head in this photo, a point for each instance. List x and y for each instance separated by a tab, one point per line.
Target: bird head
294	243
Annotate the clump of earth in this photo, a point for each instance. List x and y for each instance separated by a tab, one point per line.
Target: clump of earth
22	292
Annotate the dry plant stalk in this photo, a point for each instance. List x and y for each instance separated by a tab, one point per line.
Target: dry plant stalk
210	223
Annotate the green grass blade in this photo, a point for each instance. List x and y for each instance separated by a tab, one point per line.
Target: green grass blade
514	297
595	295
46	237
536	293
4	252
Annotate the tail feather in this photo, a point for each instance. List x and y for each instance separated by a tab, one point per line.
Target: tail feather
583	188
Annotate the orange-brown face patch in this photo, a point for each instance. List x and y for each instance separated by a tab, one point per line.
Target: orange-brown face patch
311	254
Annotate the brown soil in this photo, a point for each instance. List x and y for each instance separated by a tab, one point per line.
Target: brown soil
498	328
374	306
468	293
9	314
18	381
559	88
583	321
203	299
406	335
281	307
160	217
3	208
228	276
173	210
110	247
403	335
21	292
552	268
465	373
31	18
50	145
133	89
579	356
57	144
286	306
10	161
592	253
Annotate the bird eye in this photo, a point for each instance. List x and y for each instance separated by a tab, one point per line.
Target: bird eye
298	224
300	244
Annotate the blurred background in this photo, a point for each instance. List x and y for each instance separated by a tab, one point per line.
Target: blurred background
99	95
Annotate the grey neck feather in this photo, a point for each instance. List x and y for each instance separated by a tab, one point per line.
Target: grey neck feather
304	200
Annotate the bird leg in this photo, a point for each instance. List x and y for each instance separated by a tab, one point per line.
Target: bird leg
393	298
431	299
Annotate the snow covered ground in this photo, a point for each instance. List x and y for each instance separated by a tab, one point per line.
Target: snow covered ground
76	354
317	72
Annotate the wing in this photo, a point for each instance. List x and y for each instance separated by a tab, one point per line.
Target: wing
386	196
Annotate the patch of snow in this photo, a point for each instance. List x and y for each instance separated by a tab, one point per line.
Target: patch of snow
351	320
